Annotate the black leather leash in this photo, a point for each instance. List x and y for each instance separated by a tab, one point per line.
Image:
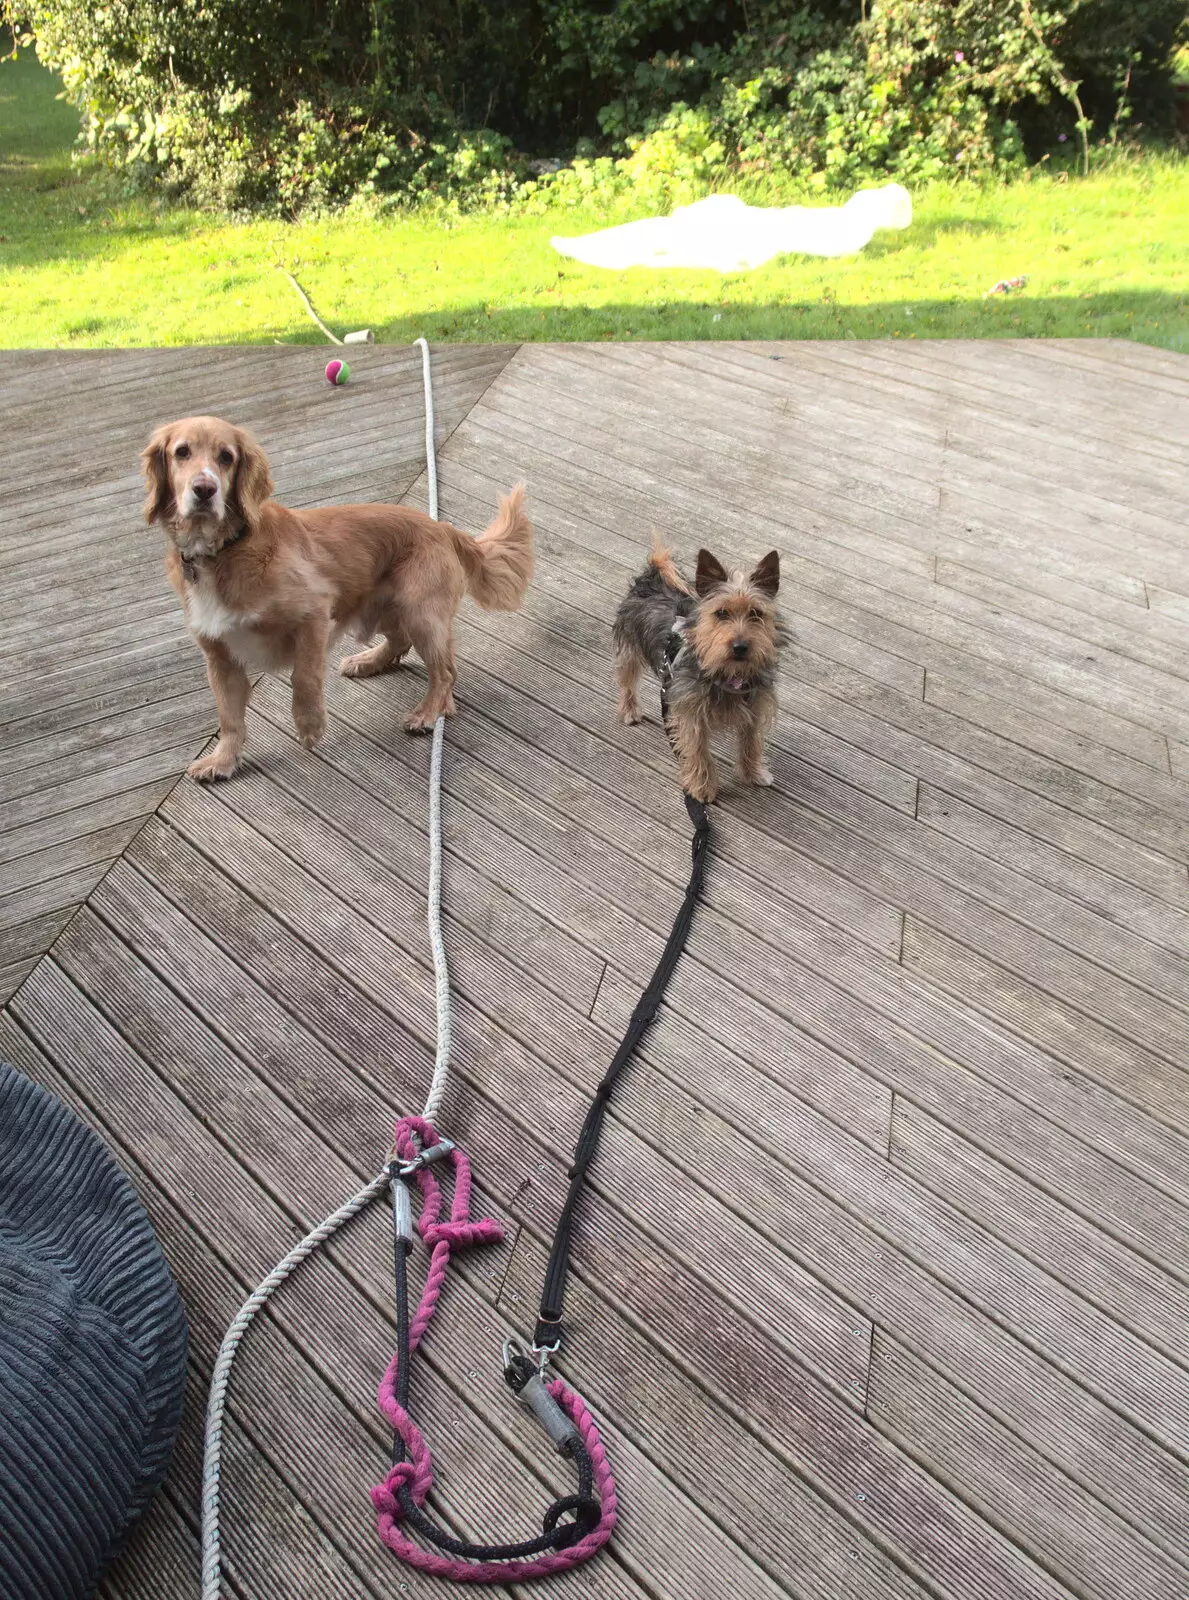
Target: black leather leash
547	1337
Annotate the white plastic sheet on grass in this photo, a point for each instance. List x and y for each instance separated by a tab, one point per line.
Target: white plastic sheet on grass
725	235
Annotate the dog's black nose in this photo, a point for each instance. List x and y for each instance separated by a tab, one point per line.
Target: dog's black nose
739	649
204	490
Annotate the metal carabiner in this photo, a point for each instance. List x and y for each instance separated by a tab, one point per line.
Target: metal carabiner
524	1373
436	1152
400	1176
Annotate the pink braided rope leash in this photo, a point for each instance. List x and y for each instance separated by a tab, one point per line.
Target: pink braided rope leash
417	1470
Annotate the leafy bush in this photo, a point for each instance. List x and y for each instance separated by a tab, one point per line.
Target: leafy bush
248	103
927	88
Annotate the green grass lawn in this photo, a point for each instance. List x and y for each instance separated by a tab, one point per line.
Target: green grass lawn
81	264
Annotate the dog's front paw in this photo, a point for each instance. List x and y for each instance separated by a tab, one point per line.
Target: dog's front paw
217	763
310	729
763	777
629	714
707	792
423	718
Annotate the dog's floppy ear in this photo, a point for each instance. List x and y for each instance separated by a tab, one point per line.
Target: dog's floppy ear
253	480
710	573
159	501
766	577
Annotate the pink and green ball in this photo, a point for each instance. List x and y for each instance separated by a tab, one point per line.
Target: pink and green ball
337	371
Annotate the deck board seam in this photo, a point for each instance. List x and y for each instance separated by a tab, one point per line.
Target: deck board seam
598	990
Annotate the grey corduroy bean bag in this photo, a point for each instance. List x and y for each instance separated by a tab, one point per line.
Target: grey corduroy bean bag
92	1350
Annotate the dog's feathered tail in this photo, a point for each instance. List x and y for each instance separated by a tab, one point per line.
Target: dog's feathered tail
499	563
661	560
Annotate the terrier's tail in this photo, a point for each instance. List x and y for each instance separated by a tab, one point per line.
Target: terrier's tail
662	561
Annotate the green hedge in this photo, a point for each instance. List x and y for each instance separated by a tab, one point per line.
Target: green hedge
278	103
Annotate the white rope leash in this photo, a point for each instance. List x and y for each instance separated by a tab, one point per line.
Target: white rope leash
213	1450
216	1404
441	1068
431	453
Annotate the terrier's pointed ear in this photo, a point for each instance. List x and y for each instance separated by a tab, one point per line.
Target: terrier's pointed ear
710	573
159	500
766	577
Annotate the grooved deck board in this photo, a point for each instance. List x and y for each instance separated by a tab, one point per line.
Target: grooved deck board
881	1289
1096	1553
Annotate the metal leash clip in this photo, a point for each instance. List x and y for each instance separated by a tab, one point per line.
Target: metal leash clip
436	1152
400	1175
524	1374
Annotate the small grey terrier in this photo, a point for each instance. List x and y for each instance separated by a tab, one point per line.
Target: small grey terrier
722	676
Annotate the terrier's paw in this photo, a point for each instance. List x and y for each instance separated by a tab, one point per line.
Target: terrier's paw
763	777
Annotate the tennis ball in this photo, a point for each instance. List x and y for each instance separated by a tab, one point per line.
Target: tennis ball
337	371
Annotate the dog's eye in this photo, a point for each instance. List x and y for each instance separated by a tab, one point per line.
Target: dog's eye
225	457
720	615
755	616
182	452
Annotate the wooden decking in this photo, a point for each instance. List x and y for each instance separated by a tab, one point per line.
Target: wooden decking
883	1288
